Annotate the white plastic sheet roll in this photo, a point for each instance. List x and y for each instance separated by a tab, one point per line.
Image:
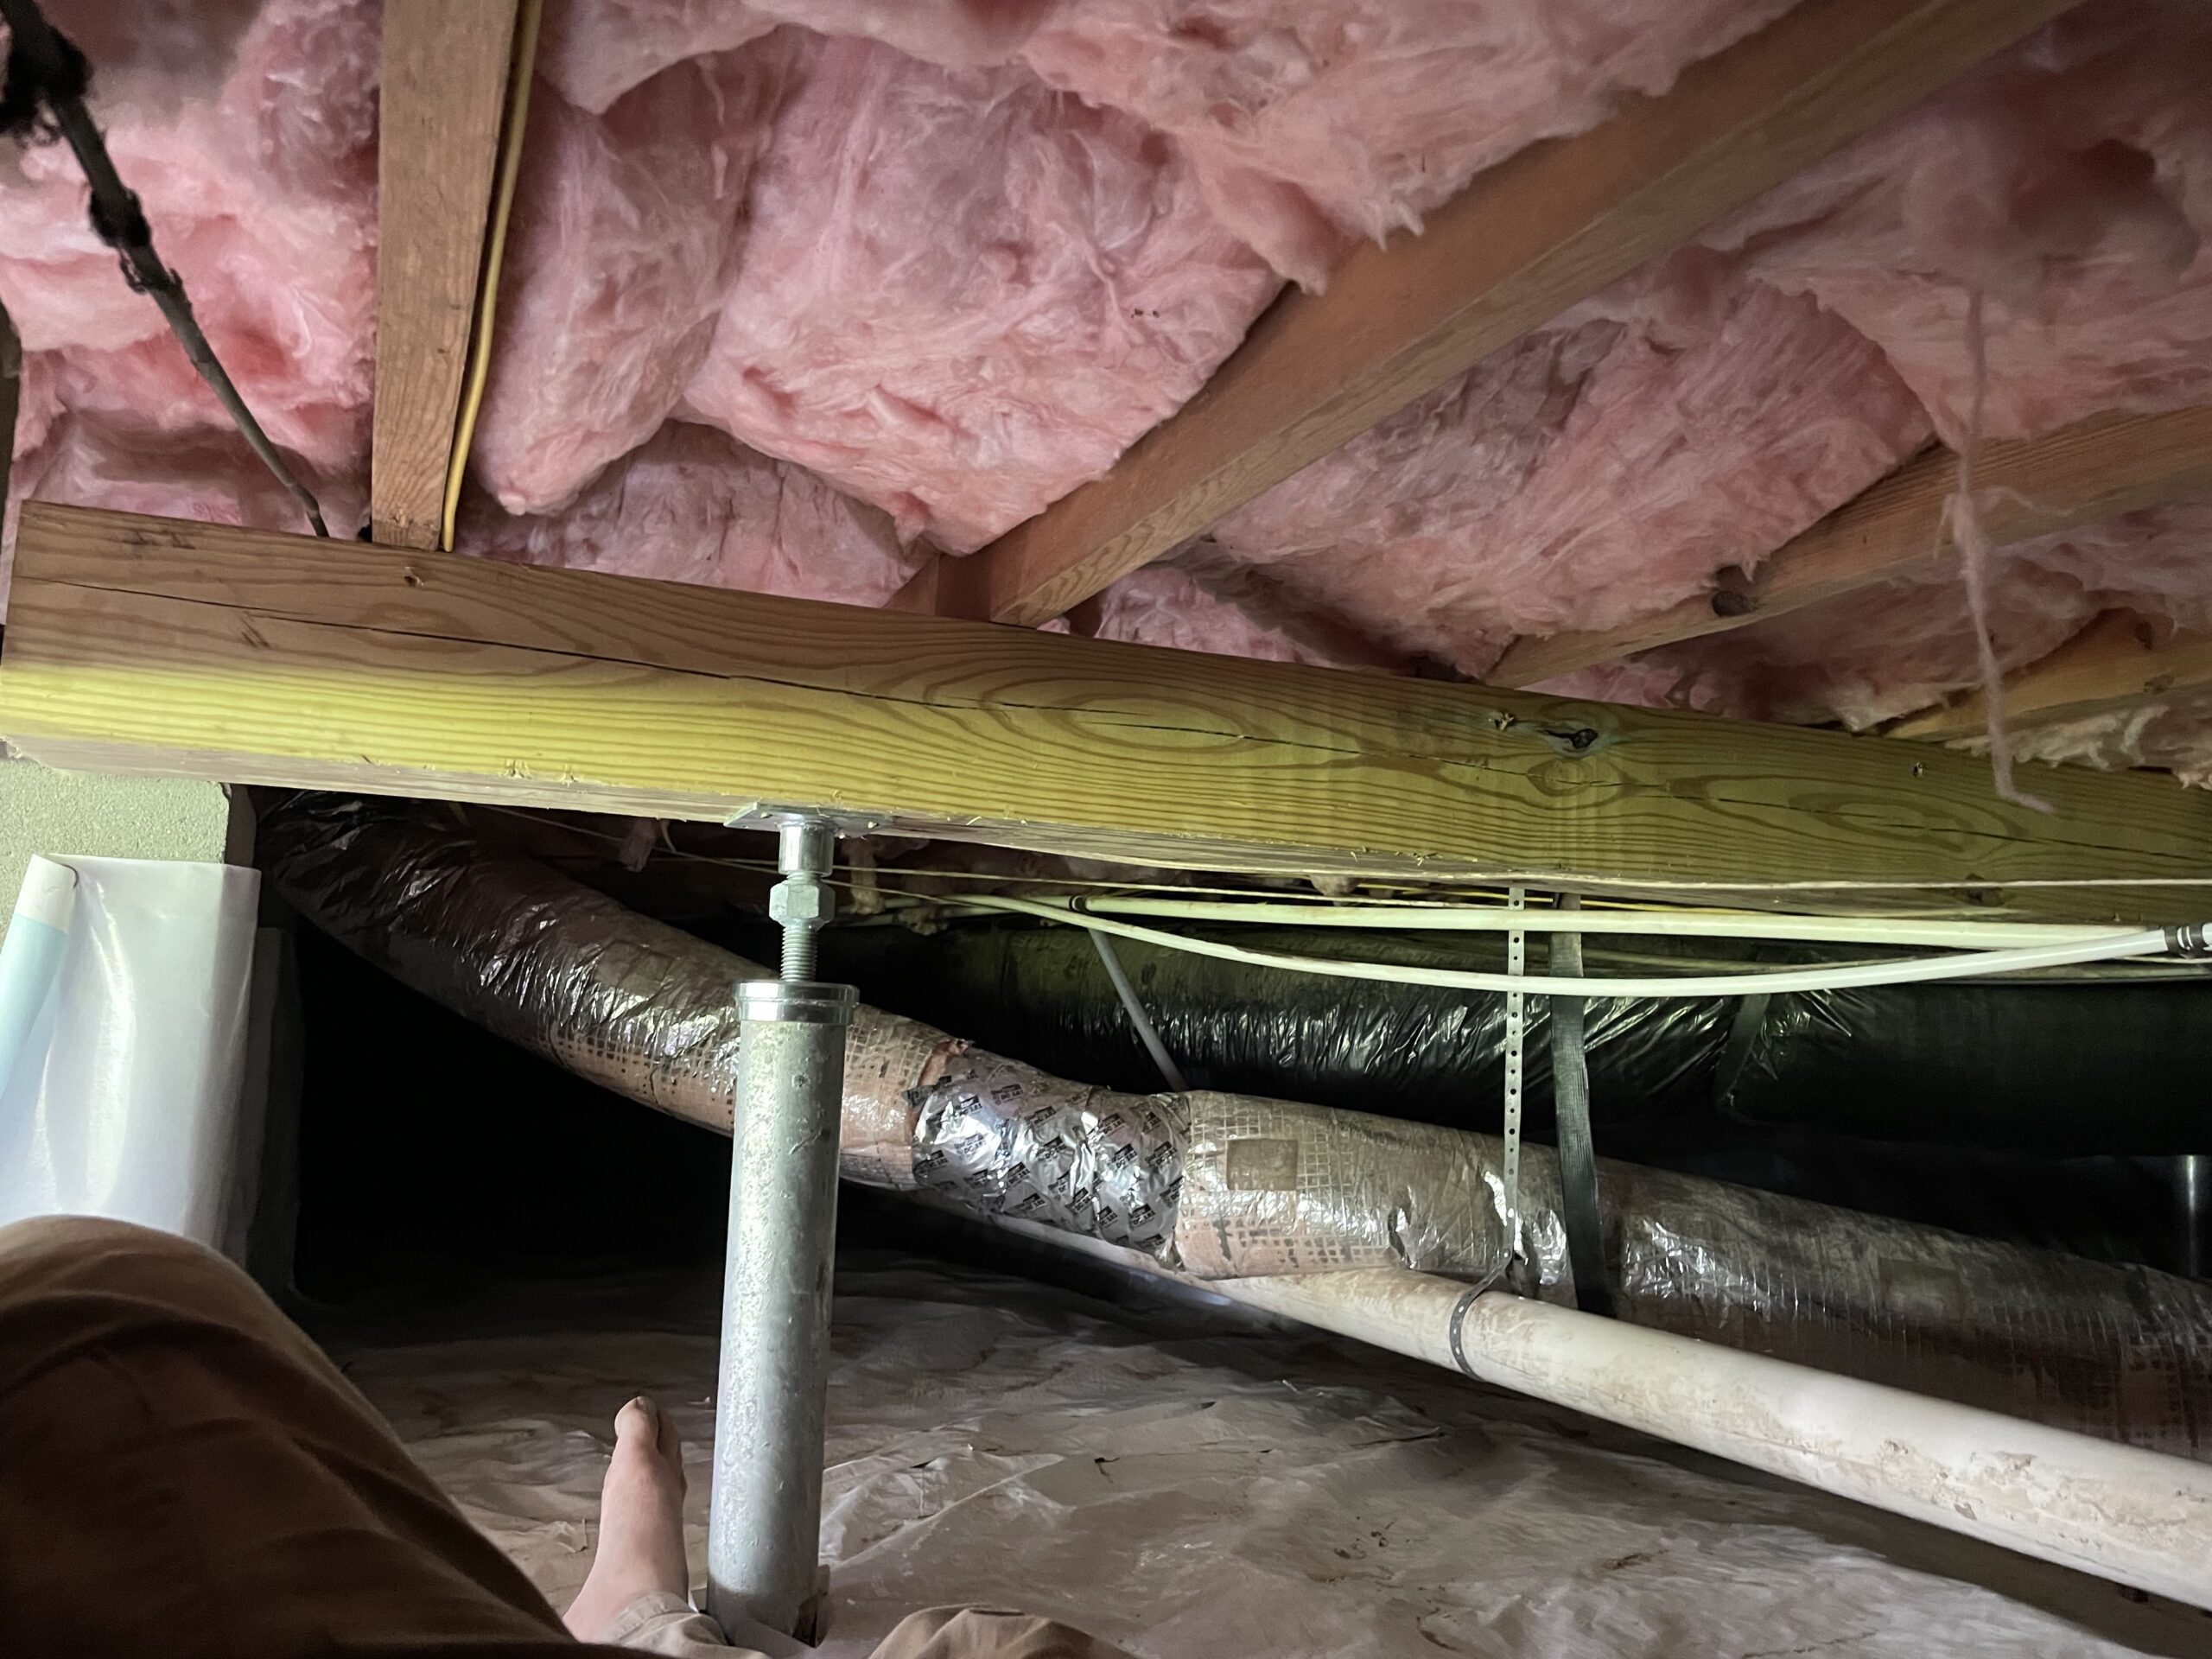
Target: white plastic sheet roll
124	993
30	955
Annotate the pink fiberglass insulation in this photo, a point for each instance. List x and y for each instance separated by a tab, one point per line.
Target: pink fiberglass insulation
953	257
1591	473
958	292
204	473
1859	661
2176	735
2070	181
628	226
1307	123
973	291
596	50
964	294
1902	646
1765	378
1314	122
691	506
251	138
1161	605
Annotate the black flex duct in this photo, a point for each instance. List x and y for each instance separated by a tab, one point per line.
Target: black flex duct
2064	1069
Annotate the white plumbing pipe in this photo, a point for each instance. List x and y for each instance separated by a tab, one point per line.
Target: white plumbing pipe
1702	925
2140	1518
1969	964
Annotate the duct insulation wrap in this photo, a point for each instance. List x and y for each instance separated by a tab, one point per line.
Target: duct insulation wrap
2000	1066
1226	1185
650	1013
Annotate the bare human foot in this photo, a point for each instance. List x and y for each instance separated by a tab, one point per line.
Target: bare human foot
640	1521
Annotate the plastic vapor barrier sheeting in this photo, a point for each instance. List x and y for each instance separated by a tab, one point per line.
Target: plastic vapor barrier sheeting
1230	1185
123	990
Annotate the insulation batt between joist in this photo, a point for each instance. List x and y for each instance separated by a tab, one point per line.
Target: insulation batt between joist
1040	316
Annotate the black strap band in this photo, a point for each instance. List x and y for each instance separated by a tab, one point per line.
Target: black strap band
1578	1152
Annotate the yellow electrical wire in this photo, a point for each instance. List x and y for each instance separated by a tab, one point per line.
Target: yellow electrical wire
487	294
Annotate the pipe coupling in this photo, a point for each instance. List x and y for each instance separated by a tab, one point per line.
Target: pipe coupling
795	1002
2190	939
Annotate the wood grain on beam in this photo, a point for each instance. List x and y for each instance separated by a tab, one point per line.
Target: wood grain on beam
151	644
438	112
1527	239
2122	661
2039	487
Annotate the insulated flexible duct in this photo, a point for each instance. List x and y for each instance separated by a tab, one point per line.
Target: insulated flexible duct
1230	1185
1997	1066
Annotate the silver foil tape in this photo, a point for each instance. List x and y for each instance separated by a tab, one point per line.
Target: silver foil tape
1009	1140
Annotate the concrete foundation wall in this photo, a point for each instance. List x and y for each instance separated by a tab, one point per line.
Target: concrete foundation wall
43	810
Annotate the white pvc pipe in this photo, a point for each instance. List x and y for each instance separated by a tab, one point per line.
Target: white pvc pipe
1969	964
2143	1518
2140	1518
1703	924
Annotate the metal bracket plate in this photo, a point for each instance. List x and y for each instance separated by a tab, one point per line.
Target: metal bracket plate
1516	1033
771	815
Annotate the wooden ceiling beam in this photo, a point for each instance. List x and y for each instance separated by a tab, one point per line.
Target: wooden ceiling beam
439	108
1527	239
2079	475
2122	661
151	644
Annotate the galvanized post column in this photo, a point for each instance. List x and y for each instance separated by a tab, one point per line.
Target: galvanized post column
765	1515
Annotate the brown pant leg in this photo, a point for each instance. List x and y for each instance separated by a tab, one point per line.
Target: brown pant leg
183	1473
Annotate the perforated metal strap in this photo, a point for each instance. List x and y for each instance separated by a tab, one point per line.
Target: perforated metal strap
1460	1310
1516	1032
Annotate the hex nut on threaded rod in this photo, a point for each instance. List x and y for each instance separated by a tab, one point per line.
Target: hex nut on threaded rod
802	901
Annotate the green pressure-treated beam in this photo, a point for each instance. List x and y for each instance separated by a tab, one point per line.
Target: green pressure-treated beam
253	656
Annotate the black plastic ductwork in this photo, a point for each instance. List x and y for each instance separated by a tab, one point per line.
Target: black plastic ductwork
2071	1069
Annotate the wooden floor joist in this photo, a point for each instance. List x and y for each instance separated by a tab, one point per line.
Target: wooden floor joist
2122	661
2079	475
442	93
157	645
1529	237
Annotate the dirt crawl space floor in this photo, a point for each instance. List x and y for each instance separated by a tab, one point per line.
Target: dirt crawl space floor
1186	1486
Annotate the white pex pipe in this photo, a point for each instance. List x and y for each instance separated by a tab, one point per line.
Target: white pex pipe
1969	964
1700	924
2137	1517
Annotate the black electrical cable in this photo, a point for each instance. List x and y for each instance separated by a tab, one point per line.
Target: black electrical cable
44	99
1578	1152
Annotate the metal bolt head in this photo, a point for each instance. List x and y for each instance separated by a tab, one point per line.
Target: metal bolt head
801	903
